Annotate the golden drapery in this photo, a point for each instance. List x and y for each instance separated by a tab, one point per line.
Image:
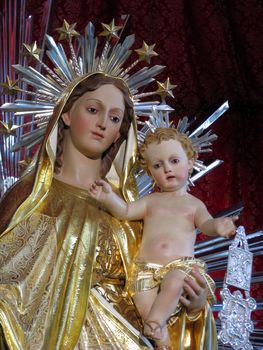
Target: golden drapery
57	244
50	265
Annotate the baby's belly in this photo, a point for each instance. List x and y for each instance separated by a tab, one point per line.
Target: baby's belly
162	251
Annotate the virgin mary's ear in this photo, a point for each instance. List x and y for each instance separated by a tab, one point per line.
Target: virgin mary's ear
66	118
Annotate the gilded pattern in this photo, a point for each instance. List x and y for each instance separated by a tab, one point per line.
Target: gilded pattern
27	257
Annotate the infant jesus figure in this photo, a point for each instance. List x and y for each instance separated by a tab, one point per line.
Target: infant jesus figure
170	217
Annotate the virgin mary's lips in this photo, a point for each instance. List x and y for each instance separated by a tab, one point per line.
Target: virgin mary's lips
97	134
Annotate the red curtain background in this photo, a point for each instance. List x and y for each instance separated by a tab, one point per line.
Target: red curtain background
213	51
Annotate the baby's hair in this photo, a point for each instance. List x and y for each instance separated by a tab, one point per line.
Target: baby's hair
166	134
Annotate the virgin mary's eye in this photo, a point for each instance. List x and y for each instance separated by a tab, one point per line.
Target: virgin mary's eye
92	110
115	119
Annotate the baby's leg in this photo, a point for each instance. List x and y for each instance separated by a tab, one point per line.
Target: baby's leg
166	300
144	302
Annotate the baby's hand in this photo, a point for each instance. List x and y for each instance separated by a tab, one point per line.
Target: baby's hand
226	227
99	190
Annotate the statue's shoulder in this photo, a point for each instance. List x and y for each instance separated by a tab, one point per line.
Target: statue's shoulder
14	197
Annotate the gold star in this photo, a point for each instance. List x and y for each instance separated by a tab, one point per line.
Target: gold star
8	128
10	86
146	52
32	50
25	162
67	31
165	89
110	30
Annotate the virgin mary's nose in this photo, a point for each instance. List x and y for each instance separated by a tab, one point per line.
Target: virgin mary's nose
102	121
102	127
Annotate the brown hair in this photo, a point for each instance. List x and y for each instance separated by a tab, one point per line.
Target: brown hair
92	83
166	134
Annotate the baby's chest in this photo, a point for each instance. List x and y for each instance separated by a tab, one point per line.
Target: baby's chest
171	210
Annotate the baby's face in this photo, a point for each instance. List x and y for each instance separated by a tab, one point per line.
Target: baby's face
168	165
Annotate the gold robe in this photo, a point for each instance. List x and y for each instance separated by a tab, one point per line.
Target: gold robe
49	263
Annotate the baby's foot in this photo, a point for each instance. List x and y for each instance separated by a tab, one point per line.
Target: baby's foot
152	330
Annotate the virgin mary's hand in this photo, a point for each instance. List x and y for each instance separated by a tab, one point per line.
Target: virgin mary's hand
196	292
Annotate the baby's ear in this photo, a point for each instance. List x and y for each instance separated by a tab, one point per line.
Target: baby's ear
190	163
66	118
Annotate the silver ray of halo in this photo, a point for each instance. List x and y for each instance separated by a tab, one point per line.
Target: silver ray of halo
58	57
206	169
213	117
14	30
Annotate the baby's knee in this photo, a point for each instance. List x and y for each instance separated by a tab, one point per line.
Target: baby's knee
173	282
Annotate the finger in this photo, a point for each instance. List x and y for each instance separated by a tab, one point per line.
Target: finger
199	279
228	229
191	289
99	182
184	301
235	218
91	189
230	232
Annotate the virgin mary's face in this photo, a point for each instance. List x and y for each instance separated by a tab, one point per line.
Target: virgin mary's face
95	119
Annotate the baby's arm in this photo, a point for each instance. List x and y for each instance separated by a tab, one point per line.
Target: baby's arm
103	192
224	227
